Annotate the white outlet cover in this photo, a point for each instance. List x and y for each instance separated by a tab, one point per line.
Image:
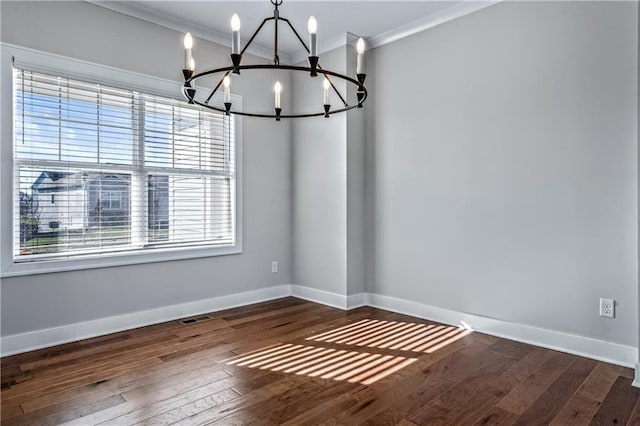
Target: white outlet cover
607	308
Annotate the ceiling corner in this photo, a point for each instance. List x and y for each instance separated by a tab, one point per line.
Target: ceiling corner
450	13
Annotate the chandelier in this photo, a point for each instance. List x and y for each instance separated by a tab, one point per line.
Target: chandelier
314	69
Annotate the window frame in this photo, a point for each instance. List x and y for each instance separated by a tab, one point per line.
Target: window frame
82	70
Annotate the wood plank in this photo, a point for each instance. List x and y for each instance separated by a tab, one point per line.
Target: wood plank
619	403
248	401
584	404
628	373
146	355
413	388
260	413
44	353
10	411
378	407
13	375
538	379
473	396
141	405
512	348
579	410
551	402
497	416
329	391
160	374
173	415
634	419
64	412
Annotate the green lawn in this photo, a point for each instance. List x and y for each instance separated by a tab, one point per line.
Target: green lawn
29	220
74	240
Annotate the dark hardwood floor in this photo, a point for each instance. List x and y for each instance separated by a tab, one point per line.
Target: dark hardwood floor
294	362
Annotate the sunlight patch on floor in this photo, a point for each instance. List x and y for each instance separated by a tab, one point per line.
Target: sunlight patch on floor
341	361
325	363
396	335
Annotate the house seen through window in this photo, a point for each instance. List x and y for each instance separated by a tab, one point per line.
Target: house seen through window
101	168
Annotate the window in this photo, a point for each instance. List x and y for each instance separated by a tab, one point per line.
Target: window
112	200
101	169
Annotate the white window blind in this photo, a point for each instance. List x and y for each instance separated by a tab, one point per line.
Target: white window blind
99	169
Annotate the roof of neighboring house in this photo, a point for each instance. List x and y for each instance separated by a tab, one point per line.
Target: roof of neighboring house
51	181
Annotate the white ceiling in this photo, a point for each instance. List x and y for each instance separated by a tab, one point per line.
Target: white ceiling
376	21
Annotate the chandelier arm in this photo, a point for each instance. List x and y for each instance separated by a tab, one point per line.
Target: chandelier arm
335	89
256	33
286	67
276	16
308	51
215	89
297	35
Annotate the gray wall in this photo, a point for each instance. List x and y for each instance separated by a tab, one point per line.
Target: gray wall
319	187
504	166
329	185
356	177
88	32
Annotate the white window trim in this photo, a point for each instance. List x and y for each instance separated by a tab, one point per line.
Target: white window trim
74	68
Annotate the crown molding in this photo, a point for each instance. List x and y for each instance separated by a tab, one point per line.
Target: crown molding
144	13
455	11
450	13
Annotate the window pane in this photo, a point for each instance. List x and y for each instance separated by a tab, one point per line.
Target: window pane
65	120
71	210
158	202
181	136
186	209
37	129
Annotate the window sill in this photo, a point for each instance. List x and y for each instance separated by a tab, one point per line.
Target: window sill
107	260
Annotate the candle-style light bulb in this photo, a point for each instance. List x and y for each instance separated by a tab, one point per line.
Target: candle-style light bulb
312	26
235	37
326	85
227	90
235	22
188	41
188	45
360	58
192	64
277	88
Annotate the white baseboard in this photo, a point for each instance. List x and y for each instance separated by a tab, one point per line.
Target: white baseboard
356	300
319	296
25	342
328	298
636	380
578	345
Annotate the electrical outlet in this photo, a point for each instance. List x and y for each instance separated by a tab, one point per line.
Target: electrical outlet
274	267
607	308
